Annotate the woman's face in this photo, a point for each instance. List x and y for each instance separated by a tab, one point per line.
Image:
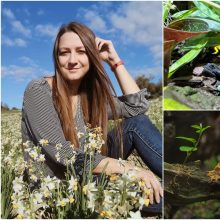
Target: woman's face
73	60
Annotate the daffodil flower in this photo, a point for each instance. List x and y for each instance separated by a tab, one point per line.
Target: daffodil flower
43	142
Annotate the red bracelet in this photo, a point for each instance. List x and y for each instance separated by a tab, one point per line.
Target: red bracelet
113	68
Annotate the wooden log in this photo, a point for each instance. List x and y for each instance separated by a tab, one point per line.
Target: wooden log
185	184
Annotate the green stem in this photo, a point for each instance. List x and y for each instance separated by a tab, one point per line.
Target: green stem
197	143
187	156
211	4
83	183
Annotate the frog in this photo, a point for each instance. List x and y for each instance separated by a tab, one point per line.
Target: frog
217	49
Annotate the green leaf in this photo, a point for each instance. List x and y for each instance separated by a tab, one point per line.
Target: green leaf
186	148
207	10
213	25
184	13
187	139
166	9
186	58
205	128
213	39
171	104
196	126
189	25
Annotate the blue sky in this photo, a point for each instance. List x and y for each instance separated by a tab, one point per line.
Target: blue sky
29	29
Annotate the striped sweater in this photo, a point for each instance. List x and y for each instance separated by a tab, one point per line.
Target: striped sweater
40	121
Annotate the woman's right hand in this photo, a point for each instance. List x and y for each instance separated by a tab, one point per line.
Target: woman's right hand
152	183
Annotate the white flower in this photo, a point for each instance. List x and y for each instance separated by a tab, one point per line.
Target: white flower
132	194
91	204
49	183
21	210
135	215
80	134
41	158
57	155
34	178
38	198
18	184
43	142
73	184
26	144
141	202
27	150
33	154
71	199
90	187
63	202
58	146
17	204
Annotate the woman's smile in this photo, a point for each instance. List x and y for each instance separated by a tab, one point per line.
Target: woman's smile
73	70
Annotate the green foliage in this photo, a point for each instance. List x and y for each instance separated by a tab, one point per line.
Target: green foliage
171	104
183	14
211	163
167	5
199	129
208	10
192	54
200	210
7	177
203	17
212	39
155	113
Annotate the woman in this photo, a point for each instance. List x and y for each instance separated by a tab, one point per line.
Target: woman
57	108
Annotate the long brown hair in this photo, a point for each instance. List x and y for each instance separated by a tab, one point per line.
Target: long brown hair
96	90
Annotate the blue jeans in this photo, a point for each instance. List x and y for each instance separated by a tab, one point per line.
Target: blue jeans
140	134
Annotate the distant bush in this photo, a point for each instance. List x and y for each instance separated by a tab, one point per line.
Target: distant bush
155	89
4	107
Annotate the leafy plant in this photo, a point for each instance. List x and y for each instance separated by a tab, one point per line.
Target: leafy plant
7	176
199	27
199	129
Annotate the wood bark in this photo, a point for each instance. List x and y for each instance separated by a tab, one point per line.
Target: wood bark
185	184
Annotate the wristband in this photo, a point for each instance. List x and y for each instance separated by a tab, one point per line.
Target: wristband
114	67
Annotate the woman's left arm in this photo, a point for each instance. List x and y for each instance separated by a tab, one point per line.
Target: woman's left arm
109	55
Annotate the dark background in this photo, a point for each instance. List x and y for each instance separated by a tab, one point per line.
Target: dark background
179	123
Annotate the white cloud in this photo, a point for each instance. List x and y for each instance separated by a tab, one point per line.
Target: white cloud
94	20
19	27
8	13
27	60
20	42
23	73
157	51
40	12
28	70
17	72
26	11
139	22
47	30
15	42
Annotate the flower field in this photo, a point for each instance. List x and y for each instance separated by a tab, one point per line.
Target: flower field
110	196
